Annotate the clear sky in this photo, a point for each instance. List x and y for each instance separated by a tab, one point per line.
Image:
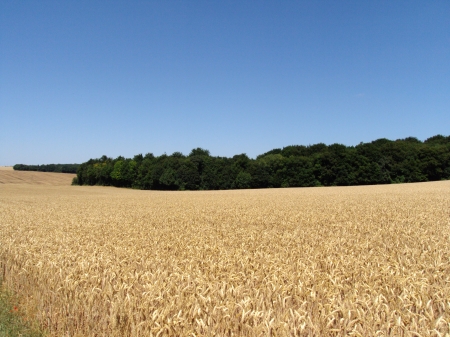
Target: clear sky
79	79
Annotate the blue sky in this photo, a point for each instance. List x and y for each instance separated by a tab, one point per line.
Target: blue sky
79	79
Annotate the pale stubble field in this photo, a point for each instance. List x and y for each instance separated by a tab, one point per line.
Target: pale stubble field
100	261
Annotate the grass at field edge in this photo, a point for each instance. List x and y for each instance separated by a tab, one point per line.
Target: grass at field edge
11	322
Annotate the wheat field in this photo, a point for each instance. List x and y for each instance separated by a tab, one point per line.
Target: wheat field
9	176
338	261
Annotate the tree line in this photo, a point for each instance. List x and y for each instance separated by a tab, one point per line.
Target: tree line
61	168
379	162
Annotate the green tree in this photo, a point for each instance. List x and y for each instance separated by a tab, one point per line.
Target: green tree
117	173
199	152
168	179
243	180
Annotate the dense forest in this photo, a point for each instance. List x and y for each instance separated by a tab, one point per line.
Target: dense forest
380	162
62	168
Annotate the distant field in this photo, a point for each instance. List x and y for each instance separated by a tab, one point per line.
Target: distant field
9	176
338	261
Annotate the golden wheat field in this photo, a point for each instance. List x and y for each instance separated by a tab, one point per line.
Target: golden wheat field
9	176
340	261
